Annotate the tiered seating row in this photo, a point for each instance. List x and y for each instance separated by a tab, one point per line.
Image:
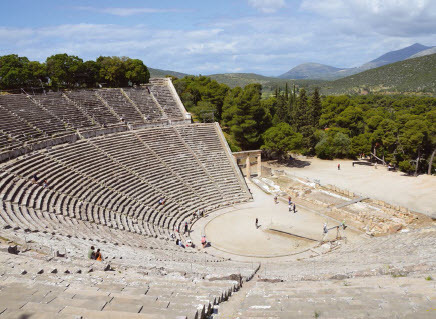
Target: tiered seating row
93	106
57	104
145	103
30	114
117	181
32	118
118	102
205	142
163	95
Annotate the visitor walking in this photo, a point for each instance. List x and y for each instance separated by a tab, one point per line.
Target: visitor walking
257	223
339	167
295	208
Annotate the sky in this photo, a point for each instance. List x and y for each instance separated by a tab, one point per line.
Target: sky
267	37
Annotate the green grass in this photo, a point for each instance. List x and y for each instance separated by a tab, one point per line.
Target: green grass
429	278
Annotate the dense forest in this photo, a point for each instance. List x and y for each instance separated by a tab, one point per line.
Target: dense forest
400	130
68	71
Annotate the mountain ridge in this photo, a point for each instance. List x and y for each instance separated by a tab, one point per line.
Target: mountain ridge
319	71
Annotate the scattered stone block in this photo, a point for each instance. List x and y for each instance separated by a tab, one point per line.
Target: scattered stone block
40	272
13	250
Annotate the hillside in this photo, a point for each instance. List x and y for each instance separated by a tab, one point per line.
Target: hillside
322	71
158	73
432	50
412	75
311	71
395	56
241	79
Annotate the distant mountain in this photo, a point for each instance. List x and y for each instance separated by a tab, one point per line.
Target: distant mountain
320	71
311	71
416	75
395	56
432	50
158	73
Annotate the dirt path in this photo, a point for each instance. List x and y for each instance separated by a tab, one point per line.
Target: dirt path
415	193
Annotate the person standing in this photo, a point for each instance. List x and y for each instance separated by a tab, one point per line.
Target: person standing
257	223
339	167
295	209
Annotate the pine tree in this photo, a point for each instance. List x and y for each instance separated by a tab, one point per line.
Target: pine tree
315	108
286	92
301	114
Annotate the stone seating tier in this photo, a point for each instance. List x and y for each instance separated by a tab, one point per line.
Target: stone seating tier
31	118
116	182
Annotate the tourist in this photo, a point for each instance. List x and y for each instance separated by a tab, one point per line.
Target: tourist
339	167
325	230
203	241
45	184
295	208
289	200
91	253
35	178
98	255
186	227
181	244
257	223
290	207
275	199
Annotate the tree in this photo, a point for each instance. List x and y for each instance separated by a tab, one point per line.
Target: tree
245	117
89	74
113	71
136	72
413	138
301	113
281	139
315	108
18	72
64	70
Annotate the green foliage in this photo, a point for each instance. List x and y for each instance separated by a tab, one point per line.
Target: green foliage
64	70
333	144
429	278
68	71
400	129
193	90
244	116
281	139
17	72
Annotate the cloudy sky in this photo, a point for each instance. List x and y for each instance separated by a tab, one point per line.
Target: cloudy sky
203	37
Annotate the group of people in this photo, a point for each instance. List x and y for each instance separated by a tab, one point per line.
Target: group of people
291	206
35	179
95	255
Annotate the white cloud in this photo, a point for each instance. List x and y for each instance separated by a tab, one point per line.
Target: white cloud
386	17
267	6
266	44
125	12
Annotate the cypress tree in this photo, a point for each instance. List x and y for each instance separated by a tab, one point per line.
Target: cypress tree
301	116
315	108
